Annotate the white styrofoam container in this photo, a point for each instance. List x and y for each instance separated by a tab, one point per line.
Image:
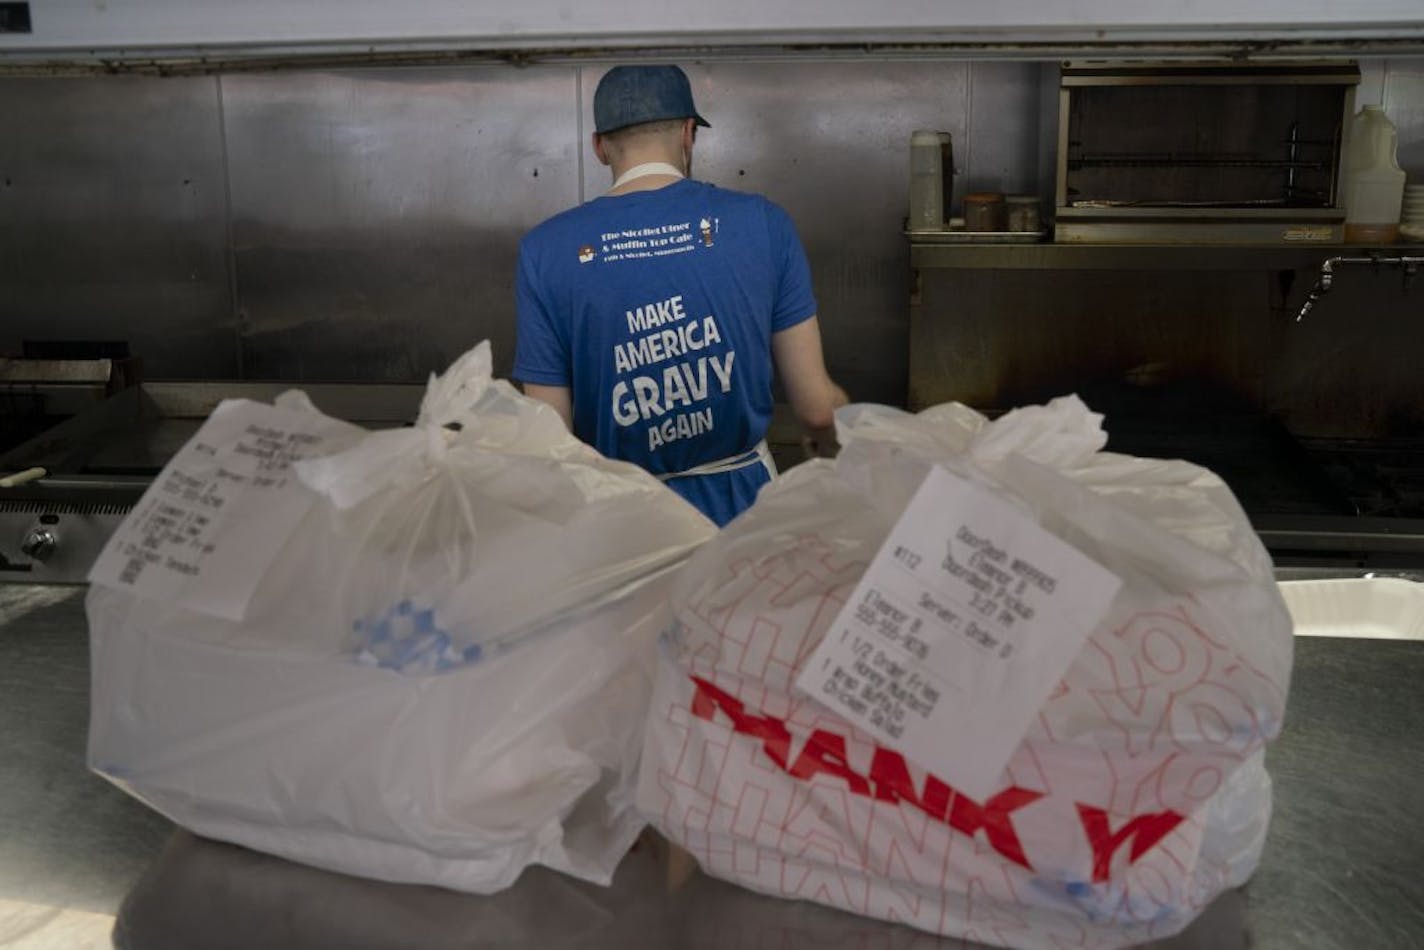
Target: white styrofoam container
1386	608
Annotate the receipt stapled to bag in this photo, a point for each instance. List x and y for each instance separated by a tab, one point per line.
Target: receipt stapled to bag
958	631
205	532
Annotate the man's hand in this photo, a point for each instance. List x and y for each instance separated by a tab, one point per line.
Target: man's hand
813	394
821	444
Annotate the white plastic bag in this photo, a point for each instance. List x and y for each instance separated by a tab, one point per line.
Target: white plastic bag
484	521
1137	796
272	732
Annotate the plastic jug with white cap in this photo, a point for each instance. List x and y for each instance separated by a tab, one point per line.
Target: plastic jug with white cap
1373	183
926	182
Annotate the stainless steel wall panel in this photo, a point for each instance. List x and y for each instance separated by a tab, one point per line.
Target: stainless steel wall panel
1403	100
1028	335
1372	77
377	214
1004	112
113	219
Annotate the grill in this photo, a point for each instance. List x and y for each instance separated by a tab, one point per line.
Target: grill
100	459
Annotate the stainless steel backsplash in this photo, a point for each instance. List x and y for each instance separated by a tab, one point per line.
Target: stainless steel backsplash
363	225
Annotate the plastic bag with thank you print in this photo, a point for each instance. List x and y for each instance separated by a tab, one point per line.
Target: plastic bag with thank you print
1130	791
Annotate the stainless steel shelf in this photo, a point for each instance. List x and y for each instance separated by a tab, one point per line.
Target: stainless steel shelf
1049	256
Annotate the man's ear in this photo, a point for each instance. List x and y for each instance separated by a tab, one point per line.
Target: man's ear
689	133
601	150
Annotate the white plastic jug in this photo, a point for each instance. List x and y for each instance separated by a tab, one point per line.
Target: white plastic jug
1373	187
926	182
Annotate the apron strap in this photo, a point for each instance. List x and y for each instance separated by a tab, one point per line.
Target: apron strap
646	170
759	454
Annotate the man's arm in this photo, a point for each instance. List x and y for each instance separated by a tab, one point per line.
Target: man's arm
814	395
560	397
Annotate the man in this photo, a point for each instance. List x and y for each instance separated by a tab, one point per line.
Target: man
649	317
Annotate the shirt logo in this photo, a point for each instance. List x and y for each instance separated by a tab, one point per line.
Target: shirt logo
586	254
707	227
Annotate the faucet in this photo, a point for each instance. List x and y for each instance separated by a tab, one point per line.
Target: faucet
1409	264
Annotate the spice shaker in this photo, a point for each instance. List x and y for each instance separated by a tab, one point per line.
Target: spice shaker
1022	212
984	211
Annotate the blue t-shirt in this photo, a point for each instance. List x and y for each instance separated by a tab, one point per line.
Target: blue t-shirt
656	309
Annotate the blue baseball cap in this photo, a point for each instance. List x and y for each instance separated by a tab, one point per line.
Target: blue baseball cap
632	95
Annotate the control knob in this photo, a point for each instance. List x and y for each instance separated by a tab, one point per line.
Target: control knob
40	543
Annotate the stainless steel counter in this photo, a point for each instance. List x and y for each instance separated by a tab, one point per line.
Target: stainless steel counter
1343	866
71	844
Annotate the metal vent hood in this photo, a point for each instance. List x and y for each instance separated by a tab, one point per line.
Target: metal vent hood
198	34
